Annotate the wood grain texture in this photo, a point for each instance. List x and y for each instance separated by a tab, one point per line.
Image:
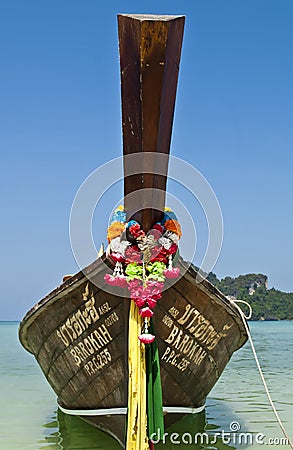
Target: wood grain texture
186	315
150	49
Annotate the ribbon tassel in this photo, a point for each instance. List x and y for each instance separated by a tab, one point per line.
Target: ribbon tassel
136	438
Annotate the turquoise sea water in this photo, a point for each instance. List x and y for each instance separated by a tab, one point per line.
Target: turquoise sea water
29	418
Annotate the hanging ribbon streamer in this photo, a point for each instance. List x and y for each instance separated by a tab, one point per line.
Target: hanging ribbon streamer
155	417
137	393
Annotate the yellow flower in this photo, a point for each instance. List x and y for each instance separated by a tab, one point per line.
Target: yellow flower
114	230
119	208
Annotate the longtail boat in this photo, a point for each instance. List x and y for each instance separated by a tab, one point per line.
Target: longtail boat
138	338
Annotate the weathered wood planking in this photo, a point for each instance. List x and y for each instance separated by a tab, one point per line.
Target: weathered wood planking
197	331
150	48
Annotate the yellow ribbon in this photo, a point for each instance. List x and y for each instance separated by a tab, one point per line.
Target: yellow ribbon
137	392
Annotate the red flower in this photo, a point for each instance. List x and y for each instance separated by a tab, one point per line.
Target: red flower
162	257
159	227
151	302
136	231
140	302
146	312
117	257
173	249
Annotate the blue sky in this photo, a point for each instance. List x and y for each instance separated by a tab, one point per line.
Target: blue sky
60	119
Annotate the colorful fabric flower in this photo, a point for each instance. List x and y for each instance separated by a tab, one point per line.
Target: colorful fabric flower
117	257
160	227
119	280
161	256
136	231
114	230
143	262
151	302
146	312
132	255
118	216
146	338
156	270
169	215
156	234
174	272
119	246
174	226
133	270
140	302
154	286
173	249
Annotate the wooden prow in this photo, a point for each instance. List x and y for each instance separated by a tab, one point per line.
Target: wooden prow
150	49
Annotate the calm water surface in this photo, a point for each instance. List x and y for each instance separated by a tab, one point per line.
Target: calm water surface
29	418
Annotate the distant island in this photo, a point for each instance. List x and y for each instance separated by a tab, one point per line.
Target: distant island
267	304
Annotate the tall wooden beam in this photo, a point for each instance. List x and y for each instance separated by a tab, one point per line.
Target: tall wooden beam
150	49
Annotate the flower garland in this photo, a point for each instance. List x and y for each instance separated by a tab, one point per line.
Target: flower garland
143	261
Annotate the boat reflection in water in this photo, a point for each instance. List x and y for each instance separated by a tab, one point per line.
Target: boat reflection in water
72	433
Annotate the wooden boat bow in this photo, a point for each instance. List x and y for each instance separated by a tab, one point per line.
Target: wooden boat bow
79	333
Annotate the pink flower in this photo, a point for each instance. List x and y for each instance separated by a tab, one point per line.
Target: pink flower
110	279
172	273
155	232
155	289
132	255
119	281
136	293
133	284
146	312
146	338
155	285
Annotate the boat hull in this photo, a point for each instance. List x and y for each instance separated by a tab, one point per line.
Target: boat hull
79	337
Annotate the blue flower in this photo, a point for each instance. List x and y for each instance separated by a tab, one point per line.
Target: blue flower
118	216
169	215
131	222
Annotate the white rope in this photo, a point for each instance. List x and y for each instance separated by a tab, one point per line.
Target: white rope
259	367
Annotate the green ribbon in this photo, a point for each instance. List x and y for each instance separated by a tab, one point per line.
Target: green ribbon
154	388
